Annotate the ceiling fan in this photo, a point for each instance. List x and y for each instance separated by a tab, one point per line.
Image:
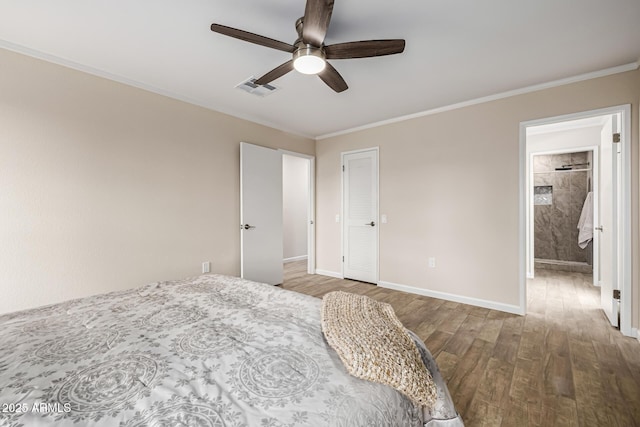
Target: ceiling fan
309	52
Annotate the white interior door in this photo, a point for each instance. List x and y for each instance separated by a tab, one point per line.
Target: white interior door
606	230
360	215
261	214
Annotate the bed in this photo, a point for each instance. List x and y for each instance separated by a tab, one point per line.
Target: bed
211	350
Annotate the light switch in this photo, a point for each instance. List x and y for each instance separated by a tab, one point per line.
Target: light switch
206	267
383	219
337	217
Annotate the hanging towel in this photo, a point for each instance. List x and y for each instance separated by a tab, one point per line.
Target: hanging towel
585	223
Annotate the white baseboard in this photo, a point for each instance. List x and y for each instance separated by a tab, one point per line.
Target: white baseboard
295	258
329	273
635	333
513	309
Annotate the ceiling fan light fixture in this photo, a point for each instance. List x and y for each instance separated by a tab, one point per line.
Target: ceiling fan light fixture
309	60
309	51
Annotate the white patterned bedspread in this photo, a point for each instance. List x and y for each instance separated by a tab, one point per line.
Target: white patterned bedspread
206	351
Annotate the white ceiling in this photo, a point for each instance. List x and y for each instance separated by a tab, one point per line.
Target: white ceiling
456	51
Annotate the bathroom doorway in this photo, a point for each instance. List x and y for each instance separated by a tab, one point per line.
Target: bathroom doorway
563	214
579	152
298	179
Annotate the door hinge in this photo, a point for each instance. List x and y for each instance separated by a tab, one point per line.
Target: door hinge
342	259
616	294
342	168
616	137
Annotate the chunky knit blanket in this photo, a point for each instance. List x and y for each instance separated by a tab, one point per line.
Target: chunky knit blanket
374	346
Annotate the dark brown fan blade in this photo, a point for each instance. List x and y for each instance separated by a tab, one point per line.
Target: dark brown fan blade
364	49
277	72
317	14
252	38
333	79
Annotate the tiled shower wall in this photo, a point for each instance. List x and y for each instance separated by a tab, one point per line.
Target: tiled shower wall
556	232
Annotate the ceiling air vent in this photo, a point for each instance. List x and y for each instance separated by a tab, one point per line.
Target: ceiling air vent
254	89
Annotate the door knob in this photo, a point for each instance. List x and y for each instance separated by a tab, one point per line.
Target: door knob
246	226
599	228
373	224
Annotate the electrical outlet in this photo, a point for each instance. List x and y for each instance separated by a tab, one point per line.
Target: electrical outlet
206	267
432	262
337	217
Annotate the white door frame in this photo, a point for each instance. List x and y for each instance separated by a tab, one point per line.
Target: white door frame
625	214
377	214
311	209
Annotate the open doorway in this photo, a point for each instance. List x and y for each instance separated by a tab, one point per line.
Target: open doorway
563	202
298	209
599	141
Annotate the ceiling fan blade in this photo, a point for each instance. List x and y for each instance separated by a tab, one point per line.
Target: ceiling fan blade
276	73
364	49
252	38
317	14
333	79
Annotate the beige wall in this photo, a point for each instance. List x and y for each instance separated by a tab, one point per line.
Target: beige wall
295	195
106	187
449	186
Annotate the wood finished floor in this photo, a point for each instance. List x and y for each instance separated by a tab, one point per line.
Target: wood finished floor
560	365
